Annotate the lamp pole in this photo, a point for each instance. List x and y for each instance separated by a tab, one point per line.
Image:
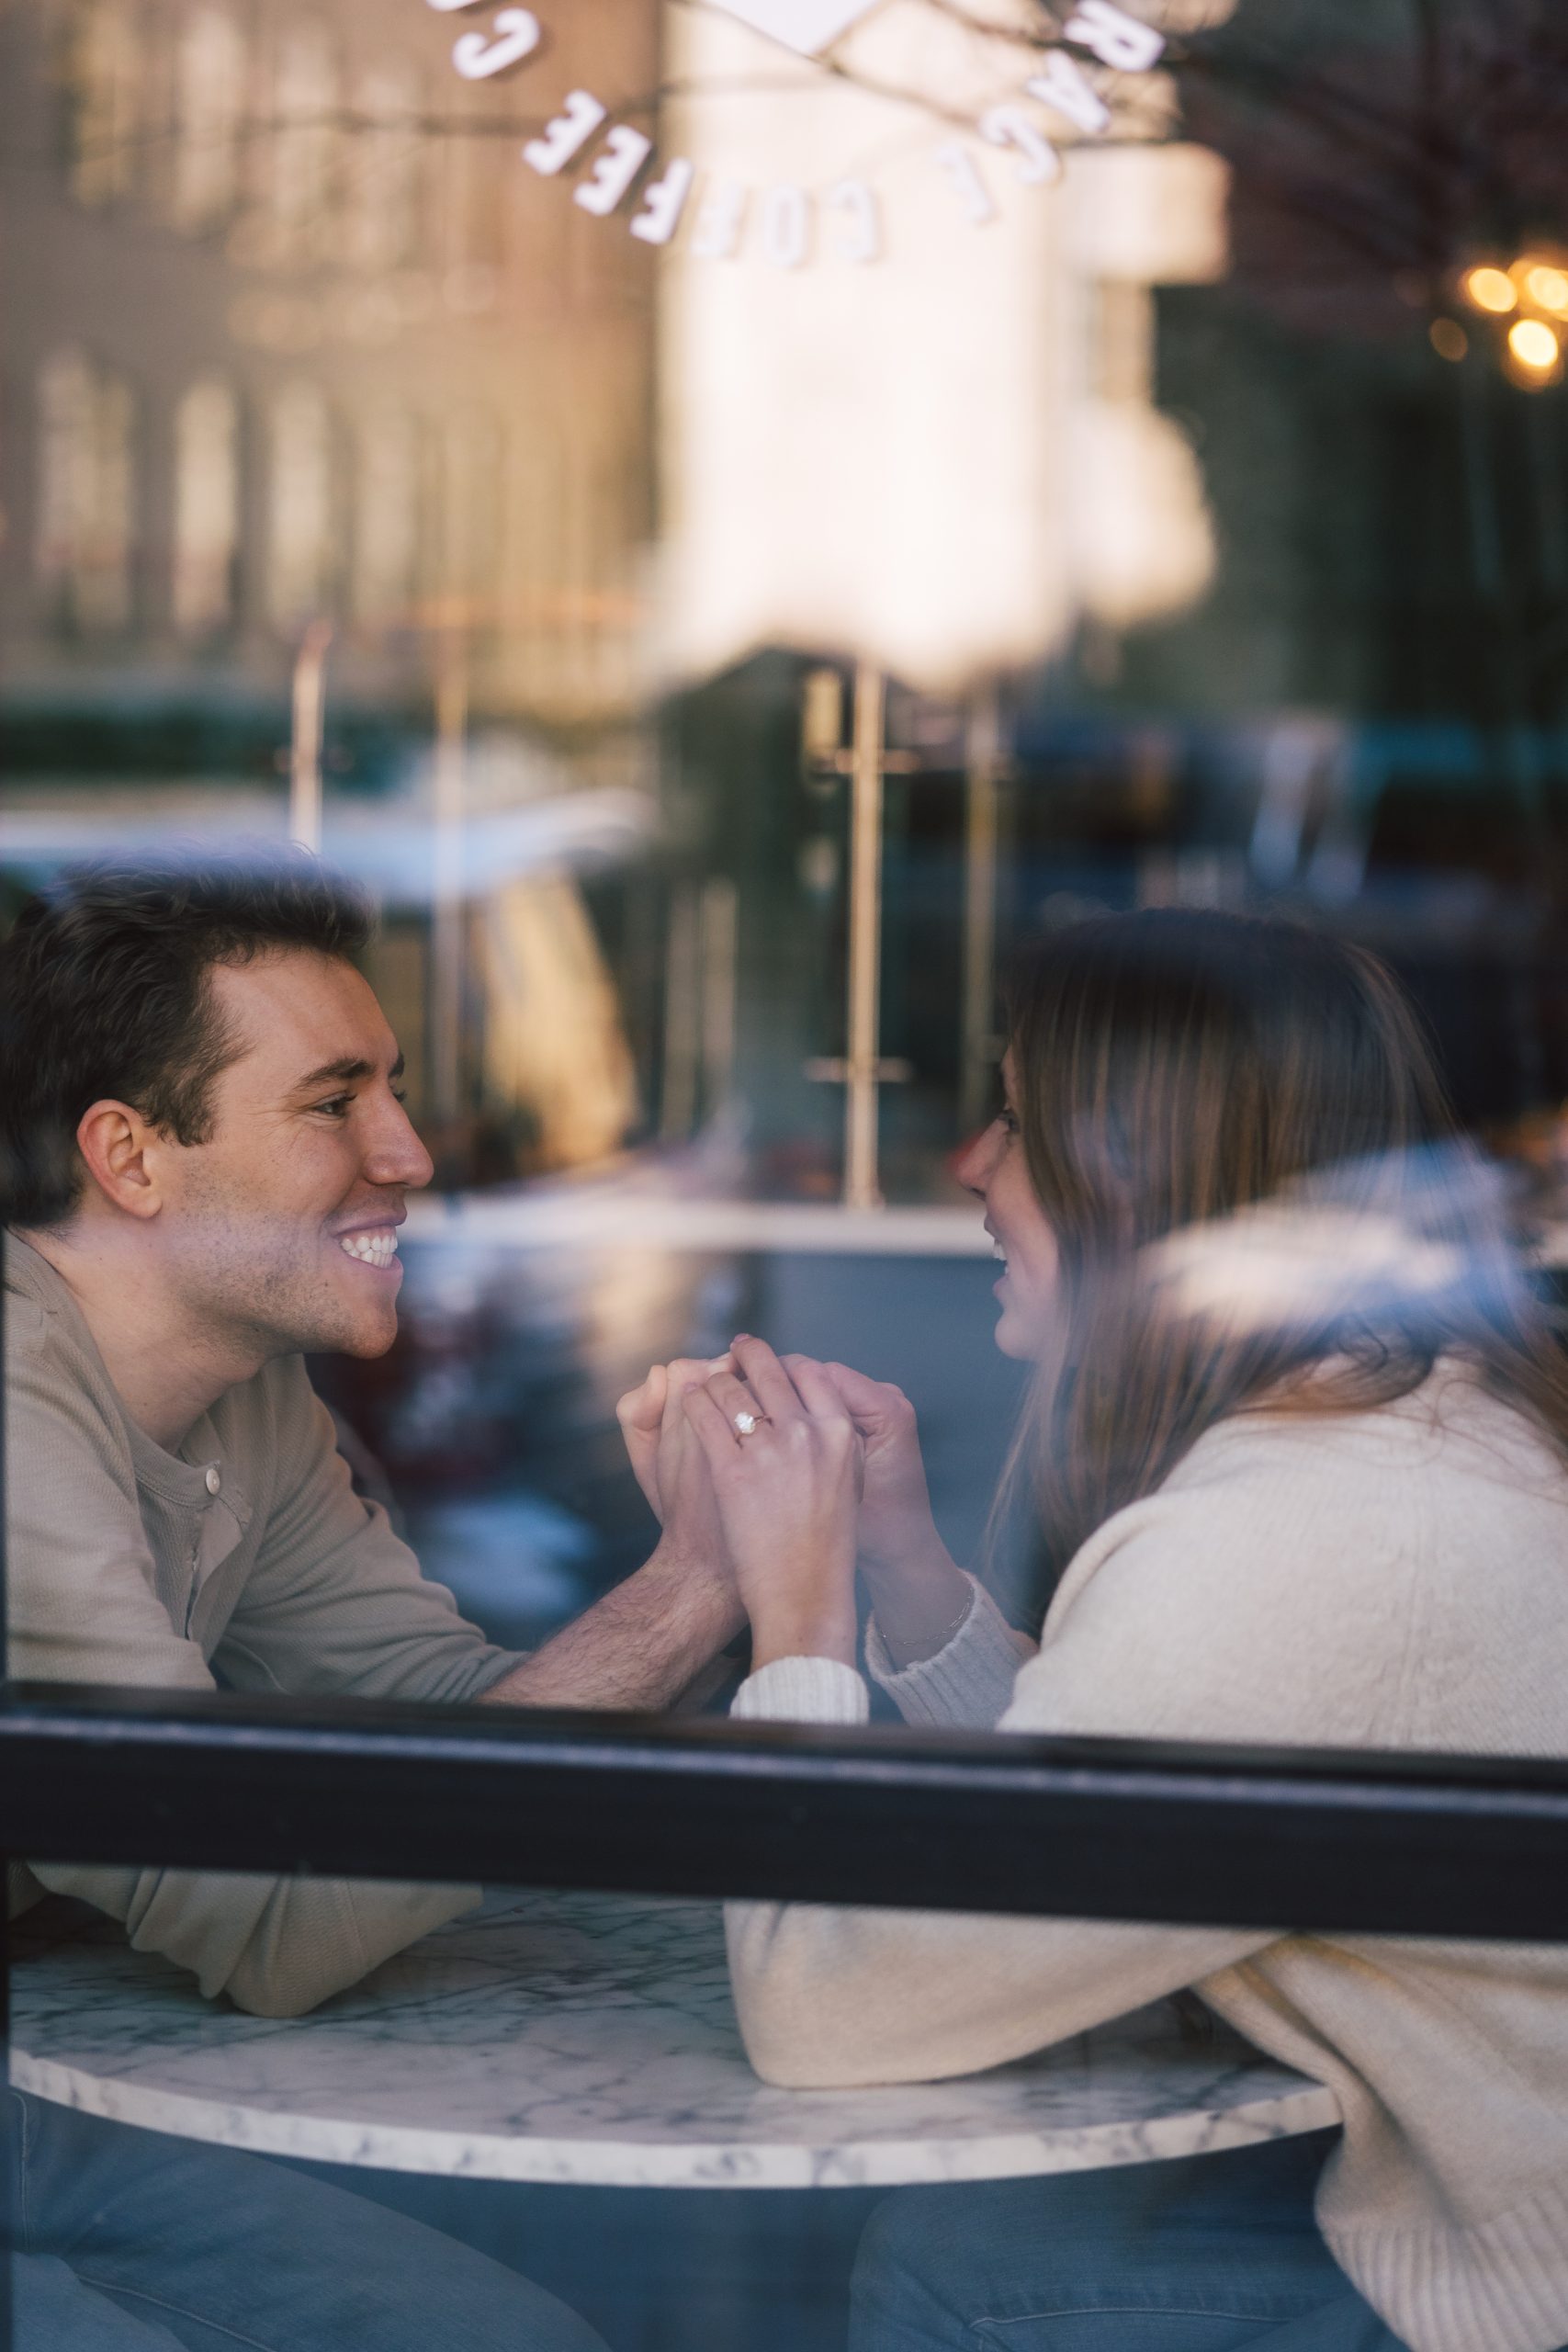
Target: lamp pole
307	717
447	978
982	793
861	1072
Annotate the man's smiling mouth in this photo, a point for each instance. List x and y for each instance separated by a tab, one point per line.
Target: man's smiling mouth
376	1247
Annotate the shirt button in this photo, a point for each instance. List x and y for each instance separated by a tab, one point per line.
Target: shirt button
213	1480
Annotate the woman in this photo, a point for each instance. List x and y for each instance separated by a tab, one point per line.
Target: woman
1300	1445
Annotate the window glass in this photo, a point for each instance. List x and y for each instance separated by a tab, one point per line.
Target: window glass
783	971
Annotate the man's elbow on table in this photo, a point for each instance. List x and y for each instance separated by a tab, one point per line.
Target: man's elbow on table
260	1998
264	1987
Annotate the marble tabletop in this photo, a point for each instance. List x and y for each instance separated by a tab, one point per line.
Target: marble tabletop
591	2038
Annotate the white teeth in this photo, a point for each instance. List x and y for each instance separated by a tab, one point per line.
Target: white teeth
378	1249
997	1252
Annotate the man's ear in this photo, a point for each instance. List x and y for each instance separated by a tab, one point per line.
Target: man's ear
114	1141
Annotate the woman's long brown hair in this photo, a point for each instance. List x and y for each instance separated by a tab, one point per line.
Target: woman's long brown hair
1172	1072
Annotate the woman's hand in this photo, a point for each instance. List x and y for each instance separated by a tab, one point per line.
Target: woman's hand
896	1509
787	1495
918	1591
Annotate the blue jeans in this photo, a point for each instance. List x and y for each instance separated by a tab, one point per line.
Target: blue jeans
125	2241
1204	2254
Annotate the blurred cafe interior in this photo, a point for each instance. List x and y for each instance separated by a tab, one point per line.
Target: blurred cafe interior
730	519
1186	529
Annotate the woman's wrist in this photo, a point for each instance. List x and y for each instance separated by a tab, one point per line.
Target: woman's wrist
831	1631
921	1602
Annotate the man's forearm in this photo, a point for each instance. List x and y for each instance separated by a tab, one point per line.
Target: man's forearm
638	1647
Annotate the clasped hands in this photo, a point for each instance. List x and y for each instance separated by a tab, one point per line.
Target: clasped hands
831	1474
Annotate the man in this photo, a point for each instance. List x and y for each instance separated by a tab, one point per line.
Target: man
206	1159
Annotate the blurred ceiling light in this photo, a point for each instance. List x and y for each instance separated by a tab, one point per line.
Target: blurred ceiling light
1534	347
911	463
1490	289
1448	339
1548	287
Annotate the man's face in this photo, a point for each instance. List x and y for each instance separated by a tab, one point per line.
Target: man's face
280	1231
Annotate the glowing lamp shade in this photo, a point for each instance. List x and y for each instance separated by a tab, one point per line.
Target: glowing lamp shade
1548	288
1490	289
1534	346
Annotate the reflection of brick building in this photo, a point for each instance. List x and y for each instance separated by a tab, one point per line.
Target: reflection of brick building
282	341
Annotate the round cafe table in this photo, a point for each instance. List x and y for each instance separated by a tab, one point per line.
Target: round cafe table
591	2038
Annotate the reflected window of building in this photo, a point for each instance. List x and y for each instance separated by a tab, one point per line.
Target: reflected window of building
474	202
556	1057
469	503
209	109
385	174
303	152
387	487
87	493
207	508
105	75
299	506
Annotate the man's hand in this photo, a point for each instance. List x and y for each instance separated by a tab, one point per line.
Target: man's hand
647	1413
644	1643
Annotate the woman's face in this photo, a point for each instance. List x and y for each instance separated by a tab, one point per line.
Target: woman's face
994	1169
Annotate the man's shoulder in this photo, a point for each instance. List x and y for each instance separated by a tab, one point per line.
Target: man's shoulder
46	1343
64	1420
30	1284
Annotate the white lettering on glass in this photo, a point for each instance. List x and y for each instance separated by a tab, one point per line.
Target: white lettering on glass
476	57
625	152
663	201
579	118
1116	38
717	236
1063	83
1007	127
962	170
787	227
860	240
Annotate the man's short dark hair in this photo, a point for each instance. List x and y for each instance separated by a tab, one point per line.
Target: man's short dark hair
104	995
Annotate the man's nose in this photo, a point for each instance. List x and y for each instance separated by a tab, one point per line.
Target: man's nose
396	1155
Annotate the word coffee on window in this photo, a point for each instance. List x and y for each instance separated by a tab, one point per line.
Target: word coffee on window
618	173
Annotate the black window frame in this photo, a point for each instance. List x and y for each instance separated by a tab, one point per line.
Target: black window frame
1334	1840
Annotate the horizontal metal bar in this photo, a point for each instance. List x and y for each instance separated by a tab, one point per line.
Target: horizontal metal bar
1327	1839
619	1216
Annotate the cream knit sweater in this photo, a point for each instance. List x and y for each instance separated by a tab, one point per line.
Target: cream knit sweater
1397	1578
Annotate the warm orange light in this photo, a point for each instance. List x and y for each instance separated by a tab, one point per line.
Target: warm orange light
1548	287
1450	340
1490	289
1534	346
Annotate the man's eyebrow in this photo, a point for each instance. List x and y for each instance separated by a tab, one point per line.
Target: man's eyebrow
346	1072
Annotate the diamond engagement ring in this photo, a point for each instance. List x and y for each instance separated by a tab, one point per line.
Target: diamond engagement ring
745	1423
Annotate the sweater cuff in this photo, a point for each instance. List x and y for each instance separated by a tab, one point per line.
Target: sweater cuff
969	1680
803	1691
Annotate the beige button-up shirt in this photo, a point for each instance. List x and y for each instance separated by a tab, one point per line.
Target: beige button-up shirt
246	1562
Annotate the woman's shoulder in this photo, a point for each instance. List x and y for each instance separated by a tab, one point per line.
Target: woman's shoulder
1339	1577
1422	1491
1451	1429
